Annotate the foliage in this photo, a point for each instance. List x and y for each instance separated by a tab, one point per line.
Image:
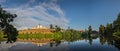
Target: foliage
89	29
101	29
40	36
117	34
51	26
109	29
116	24
84	35
71	35
57	28
68	35
1	37
8	29
113	28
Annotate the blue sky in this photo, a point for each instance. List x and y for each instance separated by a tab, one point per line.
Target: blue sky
83	13
78	14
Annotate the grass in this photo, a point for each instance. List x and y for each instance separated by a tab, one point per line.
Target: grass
40	36
117	34
68	36
1	37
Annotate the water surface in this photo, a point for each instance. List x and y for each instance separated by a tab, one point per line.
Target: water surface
96	44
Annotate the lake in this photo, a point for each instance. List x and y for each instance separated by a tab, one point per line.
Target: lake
99	43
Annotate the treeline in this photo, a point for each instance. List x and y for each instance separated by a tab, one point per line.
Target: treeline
111	28
71	35
56	28
68	35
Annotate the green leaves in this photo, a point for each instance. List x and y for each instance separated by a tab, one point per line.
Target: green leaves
116	24
51	26
57	28
90	29
8	29
101	29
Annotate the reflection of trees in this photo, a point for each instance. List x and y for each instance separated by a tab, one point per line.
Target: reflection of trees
106	38
51	44
55	42
110	39
102	40
117	42
58	42
90	41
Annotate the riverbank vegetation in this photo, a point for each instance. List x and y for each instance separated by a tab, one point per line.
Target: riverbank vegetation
111	28
68	35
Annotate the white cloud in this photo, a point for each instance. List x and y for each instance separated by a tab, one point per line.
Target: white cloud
31	16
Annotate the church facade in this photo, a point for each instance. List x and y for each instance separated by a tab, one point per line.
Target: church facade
36	30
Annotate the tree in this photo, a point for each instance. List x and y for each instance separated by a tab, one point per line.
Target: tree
51	26
116	24
89	29
101	29
57	28
8	29
109	29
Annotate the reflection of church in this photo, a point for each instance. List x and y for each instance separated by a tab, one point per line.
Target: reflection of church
36	29
37	42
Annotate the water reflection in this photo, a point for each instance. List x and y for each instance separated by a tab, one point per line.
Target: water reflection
84	43
56	43
117	42
5	47
107	38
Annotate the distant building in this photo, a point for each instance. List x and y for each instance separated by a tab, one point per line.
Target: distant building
39	27
36	30
82	31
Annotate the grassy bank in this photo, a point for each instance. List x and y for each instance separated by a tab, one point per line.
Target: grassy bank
55	36
116	35
40	36
69	35
1	37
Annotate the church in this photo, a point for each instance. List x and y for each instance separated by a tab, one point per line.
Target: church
36	30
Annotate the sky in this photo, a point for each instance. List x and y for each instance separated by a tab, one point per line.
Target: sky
76	14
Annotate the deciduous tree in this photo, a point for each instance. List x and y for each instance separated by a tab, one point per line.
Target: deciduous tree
101	29
9	30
